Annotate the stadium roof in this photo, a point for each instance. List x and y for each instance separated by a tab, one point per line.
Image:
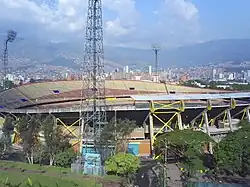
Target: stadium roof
58	92
172	97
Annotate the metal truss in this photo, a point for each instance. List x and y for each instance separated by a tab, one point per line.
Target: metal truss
200	122
157	108
93	86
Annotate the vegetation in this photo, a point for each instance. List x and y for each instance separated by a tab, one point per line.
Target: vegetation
5	138
187	146
244	87
16	179
48	176
115	134
232	153
56	144
29	130
214	84
44	142
65	158
122	164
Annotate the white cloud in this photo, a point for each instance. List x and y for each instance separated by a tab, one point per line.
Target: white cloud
63	18
175	20
180	21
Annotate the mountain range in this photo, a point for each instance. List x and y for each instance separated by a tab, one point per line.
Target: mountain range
70	54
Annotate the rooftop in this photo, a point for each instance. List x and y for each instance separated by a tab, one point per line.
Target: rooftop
58	92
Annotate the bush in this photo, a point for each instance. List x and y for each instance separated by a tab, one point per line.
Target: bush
122	164
64	159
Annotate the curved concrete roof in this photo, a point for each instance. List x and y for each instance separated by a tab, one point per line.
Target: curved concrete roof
61	91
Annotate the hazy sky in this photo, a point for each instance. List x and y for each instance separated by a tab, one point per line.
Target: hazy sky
137	23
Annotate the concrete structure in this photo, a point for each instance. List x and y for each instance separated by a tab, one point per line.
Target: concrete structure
156	107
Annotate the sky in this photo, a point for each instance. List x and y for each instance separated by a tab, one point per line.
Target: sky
130	23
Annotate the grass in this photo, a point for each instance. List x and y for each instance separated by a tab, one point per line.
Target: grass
50	177
25	166
46	180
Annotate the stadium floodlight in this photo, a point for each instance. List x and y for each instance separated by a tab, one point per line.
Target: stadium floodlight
156	49
11	36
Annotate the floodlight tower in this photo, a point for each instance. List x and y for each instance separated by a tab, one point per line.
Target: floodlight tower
156	49
11	36
93	105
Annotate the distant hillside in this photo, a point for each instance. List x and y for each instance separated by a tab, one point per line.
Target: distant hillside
71	54
210	52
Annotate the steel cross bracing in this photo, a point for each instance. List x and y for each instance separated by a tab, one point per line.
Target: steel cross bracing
93	86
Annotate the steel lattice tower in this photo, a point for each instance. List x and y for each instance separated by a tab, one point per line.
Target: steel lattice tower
11	36
93	106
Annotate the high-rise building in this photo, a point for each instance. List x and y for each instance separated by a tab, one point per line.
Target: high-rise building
214	73
150	70
248	73
126	69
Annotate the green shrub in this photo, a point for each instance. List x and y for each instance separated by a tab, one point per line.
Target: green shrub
64	159
122	164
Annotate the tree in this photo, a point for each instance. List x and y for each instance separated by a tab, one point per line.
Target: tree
55	140
122	164
116	134
7	130
232	153
65	158
29	129
187	146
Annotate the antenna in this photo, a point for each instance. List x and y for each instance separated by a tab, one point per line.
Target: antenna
11	36
156	49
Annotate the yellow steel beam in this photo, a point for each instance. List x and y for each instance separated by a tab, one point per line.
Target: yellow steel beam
157	157
166	112
225	116
233	103
244	113
166	106
211	122
15	137
209	105
68	127
152	106
165	124
202	119
182	106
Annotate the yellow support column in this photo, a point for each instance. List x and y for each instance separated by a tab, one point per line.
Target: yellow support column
151	131
179	121
206	123
229	119
248	114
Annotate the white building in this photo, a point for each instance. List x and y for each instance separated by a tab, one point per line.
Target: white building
150	70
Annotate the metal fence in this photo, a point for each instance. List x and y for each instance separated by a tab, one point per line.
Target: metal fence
88	170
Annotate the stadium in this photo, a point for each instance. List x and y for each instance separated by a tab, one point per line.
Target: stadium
156	107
